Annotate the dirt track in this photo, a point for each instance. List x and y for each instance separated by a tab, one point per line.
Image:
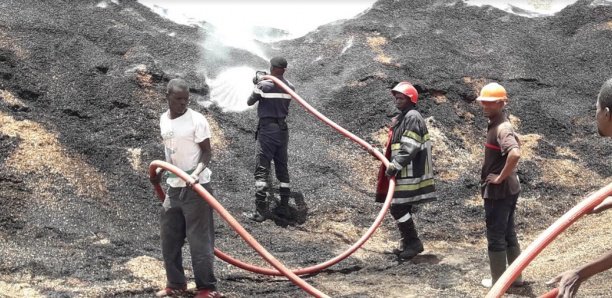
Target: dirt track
81	93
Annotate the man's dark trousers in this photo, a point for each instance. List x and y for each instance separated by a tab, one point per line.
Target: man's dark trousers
186	215
272	144
499	214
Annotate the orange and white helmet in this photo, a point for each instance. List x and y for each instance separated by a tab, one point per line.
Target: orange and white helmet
406	89
493	92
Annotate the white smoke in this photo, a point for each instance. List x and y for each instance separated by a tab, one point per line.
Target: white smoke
221	38
244	25
526	8
347	45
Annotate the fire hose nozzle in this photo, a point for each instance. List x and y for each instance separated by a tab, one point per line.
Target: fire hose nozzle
259	76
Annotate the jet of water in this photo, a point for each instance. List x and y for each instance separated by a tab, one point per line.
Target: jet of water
231	88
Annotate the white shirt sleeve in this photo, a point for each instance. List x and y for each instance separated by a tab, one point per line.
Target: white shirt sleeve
165	128
202	129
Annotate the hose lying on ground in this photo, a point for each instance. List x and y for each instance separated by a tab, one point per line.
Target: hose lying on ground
234	224
279	268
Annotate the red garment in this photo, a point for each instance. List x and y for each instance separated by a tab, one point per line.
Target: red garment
382	185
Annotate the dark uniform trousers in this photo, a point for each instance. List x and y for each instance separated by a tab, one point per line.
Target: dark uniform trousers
273	141
499	214
186	215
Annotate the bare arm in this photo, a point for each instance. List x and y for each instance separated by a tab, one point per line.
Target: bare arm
204	157
569	281
203	162
596	266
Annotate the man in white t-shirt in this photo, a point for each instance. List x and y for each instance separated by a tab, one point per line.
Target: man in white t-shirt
186	137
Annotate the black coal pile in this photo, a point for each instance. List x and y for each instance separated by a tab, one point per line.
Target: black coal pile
81	91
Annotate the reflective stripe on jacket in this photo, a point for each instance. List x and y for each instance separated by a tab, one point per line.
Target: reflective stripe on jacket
411	151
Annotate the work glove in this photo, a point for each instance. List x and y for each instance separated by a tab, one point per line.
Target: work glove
391	170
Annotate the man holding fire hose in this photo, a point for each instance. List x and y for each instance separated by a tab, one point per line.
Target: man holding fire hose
272	140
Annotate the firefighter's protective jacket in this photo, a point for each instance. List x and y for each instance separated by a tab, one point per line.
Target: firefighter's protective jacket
410	151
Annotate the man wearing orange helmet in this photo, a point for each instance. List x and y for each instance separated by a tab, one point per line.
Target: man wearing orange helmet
410	162
500	185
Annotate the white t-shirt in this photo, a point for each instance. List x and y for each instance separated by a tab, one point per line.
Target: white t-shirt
181	137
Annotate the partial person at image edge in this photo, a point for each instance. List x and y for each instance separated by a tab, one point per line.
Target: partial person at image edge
569	281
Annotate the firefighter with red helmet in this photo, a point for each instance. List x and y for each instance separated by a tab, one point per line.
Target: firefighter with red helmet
410	162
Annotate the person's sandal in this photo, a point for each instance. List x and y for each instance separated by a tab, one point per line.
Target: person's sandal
208	293
171	292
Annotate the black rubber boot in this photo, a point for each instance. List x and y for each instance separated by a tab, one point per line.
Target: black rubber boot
412	250
262	211
511	254
497	264
399	249
283	208
403	239
410	245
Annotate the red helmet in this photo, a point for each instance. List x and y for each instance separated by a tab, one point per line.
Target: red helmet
406	89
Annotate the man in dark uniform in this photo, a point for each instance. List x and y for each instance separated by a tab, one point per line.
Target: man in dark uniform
272	140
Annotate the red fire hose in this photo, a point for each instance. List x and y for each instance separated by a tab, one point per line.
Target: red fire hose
234	224
546	238
551	294
322	117
379	218
280	268
321	266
